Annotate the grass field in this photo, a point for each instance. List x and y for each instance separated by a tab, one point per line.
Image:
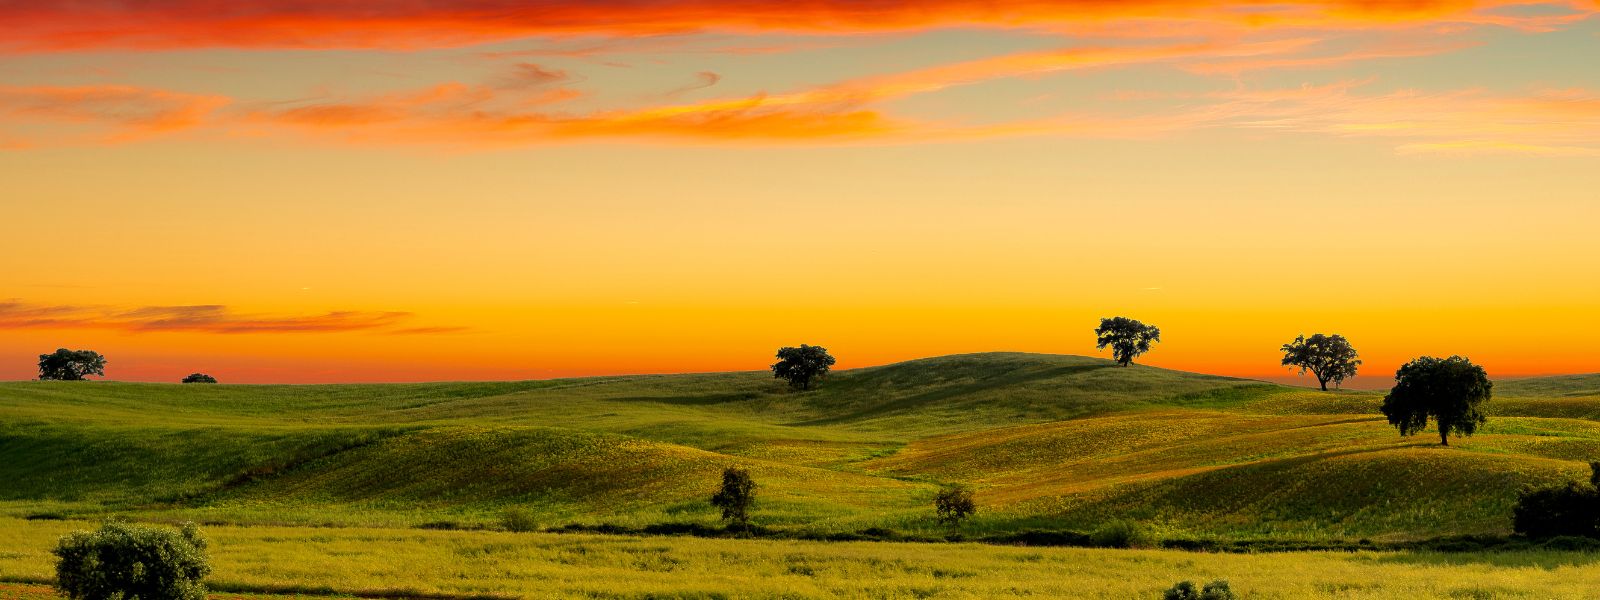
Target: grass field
342	489
397	562
1053	442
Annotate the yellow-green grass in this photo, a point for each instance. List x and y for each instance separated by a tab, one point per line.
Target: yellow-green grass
1048	442
34	591
368	561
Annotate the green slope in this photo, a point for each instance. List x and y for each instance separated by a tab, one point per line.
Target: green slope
1049	441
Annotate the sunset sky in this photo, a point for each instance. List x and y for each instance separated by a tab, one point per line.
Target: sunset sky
354	190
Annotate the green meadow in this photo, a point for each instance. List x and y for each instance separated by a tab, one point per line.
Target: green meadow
324	487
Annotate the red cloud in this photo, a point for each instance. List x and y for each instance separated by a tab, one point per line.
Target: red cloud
35	26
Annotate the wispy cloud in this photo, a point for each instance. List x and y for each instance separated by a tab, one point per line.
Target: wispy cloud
15	314
113	113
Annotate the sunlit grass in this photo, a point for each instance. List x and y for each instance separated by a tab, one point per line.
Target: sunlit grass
551	565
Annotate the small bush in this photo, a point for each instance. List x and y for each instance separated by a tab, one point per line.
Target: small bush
954	504
1570	543
1122	533
199	378
519	520
123	560
1184	590
1570	509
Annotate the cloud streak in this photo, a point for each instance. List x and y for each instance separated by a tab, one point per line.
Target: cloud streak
34	26
209	318
111	113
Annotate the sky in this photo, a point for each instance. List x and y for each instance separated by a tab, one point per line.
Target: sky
304	191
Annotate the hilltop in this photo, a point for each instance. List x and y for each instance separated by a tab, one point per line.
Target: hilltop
1048	441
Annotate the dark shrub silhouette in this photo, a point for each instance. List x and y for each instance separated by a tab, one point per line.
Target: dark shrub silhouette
800	366
1451	390
519	520
199	378
1326	357
1122	534
70	365
1569	509
954	504
736	496
1185	590
1127	338
125	561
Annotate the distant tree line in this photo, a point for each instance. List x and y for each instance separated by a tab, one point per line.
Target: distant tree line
78	365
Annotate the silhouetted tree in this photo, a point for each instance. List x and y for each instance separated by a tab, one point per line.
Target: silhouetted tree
1571	508
802	365
736	496
1327	357
954	504
70	365
1127	338
1451	390
199	378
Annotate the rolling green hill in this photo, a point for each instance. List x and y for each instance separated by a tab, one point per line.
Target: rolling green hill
1048	442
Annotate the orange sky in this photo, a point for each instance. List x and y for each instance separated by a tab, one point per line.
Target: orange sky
292	191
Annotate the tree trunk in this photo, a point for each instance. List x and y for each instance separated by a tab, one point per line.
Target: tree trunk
1444	436
1323	382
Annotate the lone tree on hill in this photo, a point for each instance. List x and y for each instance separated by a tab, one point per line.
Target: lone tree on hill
954	504
802	365
736	496
1451	390
70	365
199	378
1327	357
1128	338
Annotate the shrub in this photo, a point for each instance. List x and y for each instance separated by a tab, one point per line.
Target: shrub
954	504
736	496
123	560
1568	543
1570	509
518	519
199	378
1184	590
1122	533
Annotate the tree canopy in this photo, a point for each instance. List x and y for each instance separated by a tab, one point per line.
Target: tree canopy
1326	357
801	366
199	378
954	504
1450	390
70	365
736	495
1127	338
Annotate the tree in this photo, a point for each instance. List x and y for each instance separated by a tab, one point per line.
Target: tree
736	496
1327	357
802	365
954	504
1128	338
199	378
122	560
70	365
1451	390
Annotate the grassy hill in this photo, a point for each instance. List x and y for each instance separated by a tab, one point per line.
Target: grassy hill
1048	441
